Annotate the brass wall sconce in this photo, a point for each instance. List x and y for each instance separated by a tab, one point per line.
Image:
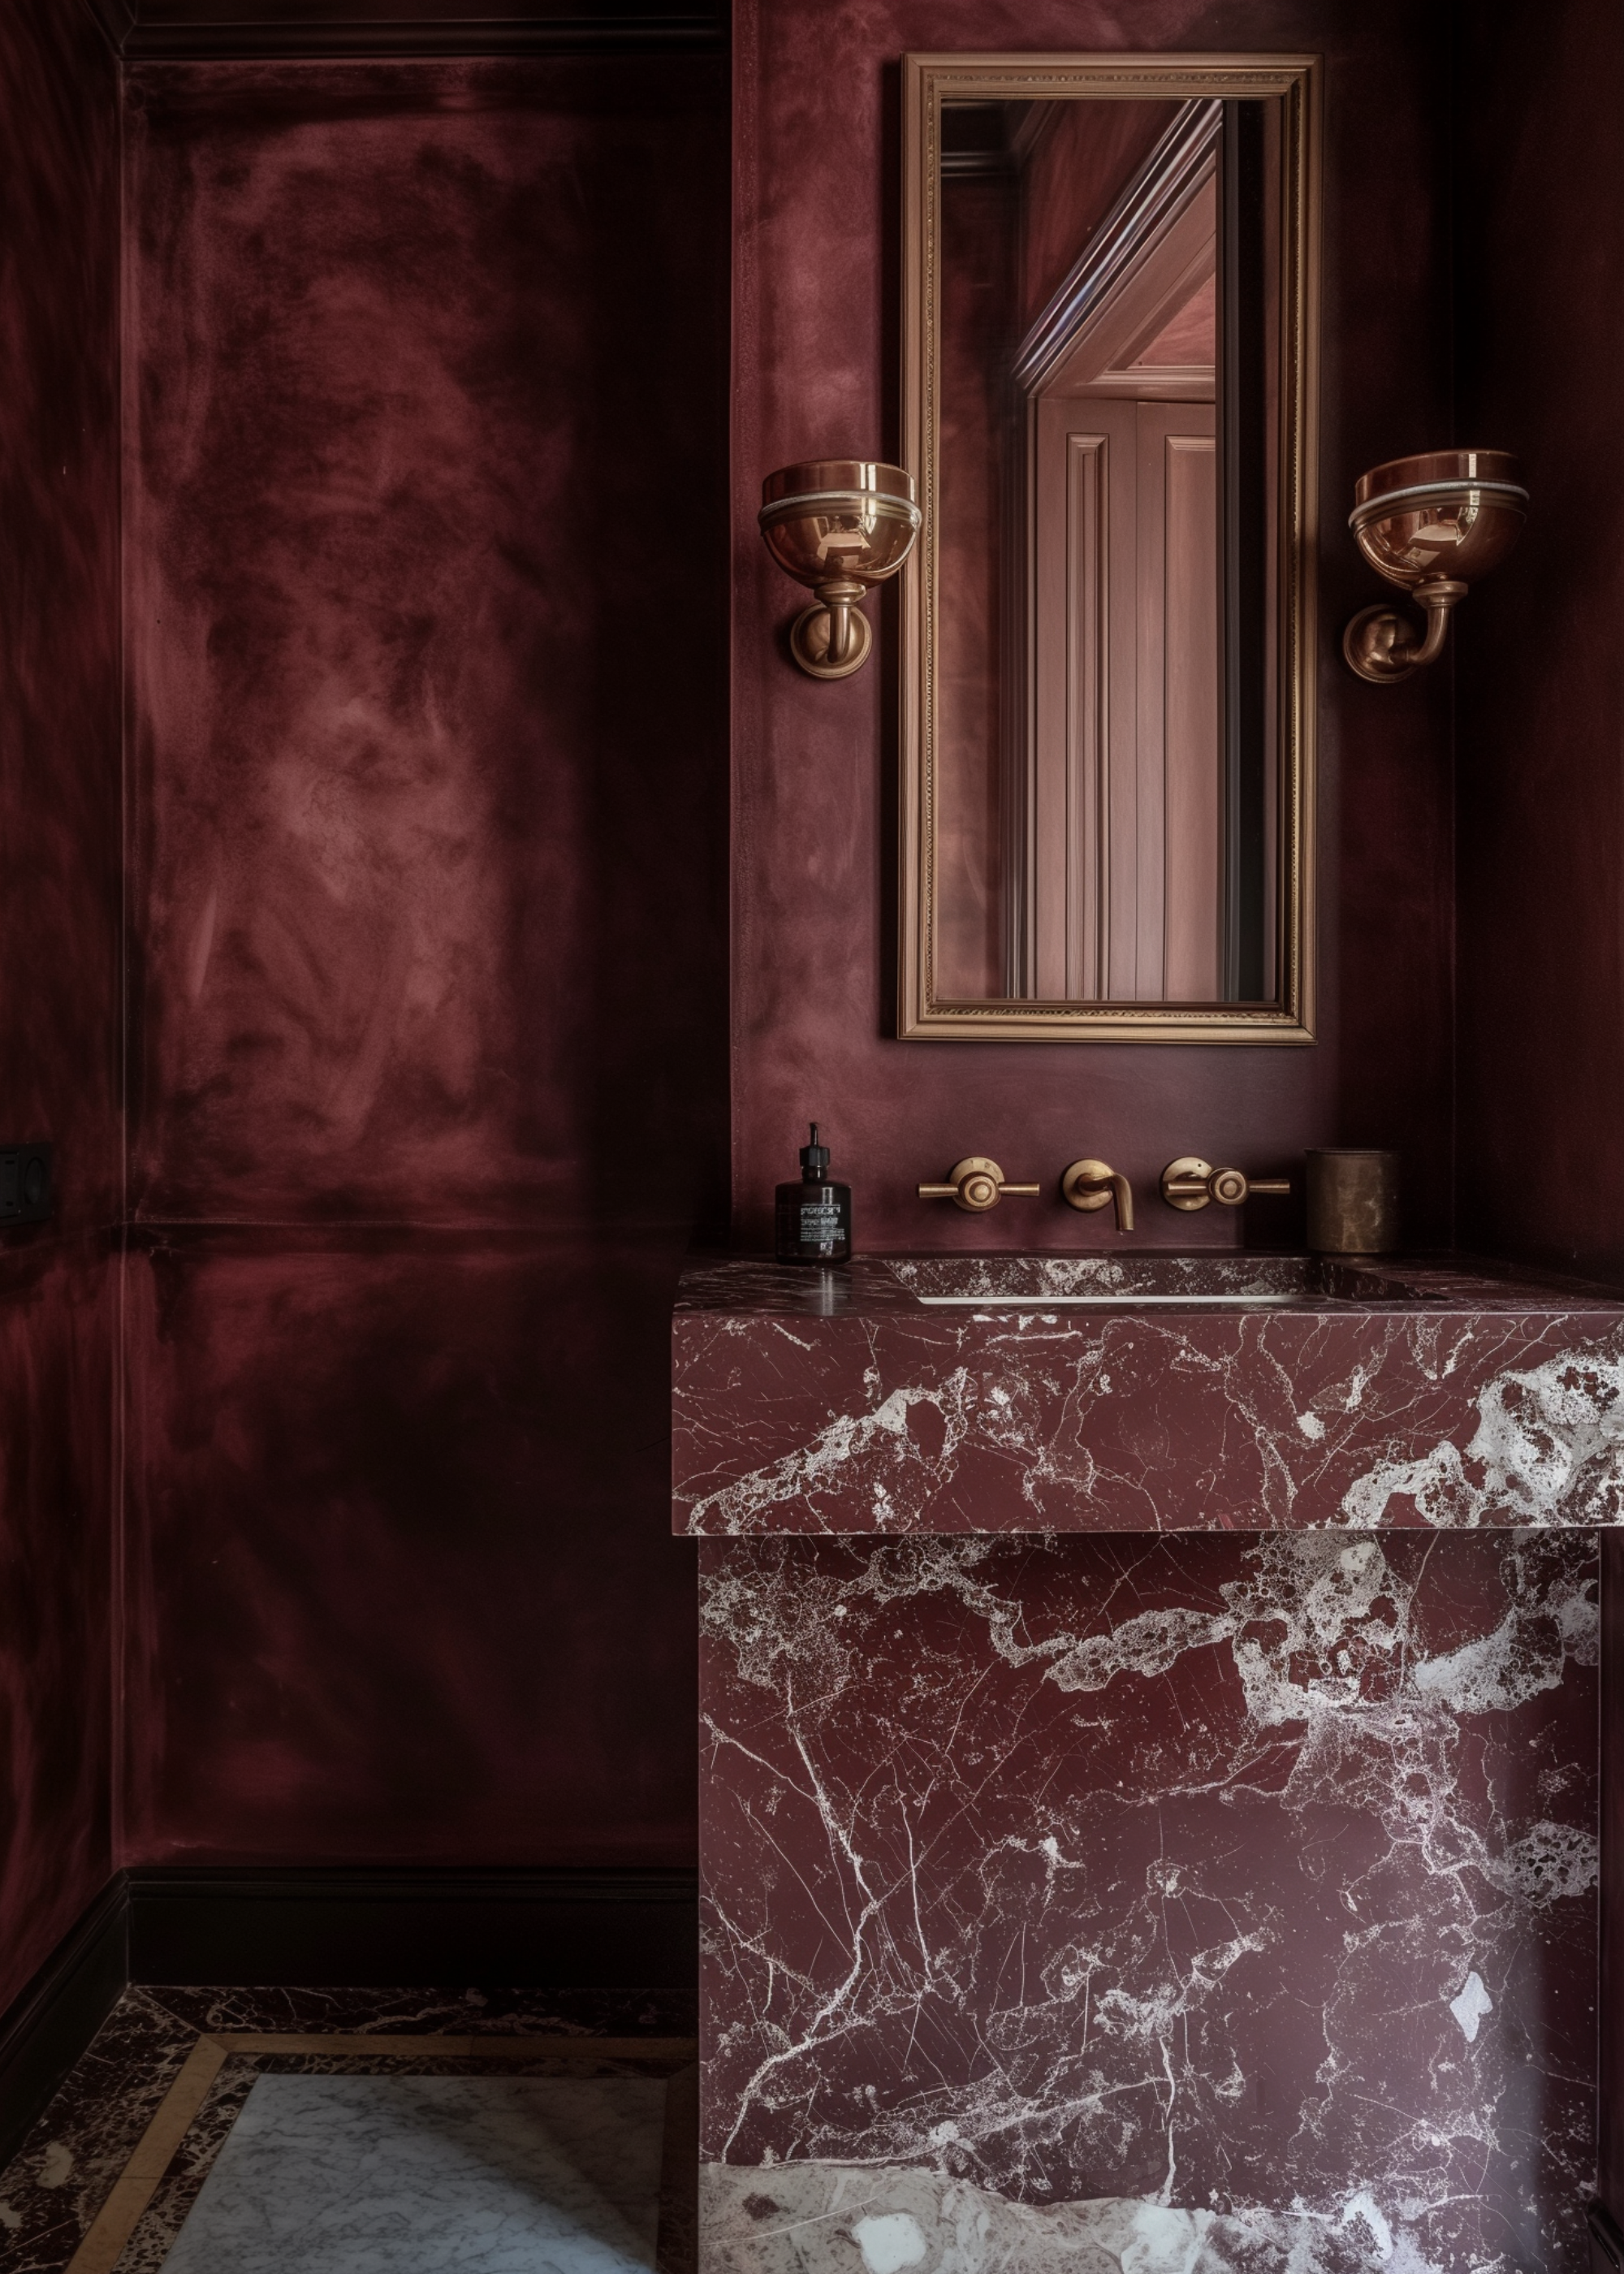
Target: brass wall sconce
1431	524
838	525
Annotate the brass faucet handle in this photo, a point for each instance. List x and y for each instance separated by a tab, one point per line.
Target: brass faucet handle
976	1184
1192	1183
1089	1185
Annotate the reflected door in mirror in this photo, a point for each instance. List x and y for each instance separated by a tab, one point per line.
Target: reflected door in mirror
1116	881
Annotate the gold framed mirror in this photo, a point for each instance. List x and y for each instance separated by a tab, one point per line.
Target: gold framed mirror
1110	285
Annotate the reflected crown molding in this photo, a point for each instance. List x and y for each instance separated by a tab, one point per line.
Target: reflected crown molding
1165	187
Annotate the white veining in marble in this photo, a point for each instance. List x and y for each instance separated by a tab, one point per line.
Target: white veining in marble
414	2174
1215	1276
852	2219
1257	1873
1549	1447
1471	2006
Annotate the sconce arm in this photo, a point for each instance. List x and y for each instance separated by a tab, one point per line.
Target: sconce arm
1439	600
1383	646
840	595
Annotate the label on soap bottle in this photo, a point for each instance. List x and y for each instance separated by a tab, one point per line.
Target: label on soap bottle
813	1222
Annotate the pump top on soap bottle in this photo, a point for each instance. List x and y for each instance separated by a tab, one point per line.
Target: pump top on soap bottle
813	1218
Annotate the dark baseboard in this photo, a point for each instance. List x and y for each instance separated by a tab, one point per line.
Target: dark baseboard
384	1929
45	2030
511	1930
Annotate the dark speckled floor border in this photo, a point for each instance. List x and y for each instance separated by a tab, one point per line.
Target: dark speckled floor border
53	2190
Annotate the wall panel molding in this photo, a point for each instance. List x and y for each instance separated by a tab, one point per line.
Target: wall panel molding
182	31
116	19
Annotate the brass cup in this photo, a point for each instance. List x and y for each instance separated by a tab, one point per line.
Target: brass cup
838	525
1431	524
1353	1202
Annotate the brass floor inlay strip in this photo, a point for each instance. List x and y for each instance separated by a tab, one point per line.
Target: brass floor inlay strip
457	2048
136	2184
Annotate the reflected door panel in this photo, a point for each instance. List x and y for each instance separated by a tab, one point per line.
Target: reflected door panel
1122	876
1178	677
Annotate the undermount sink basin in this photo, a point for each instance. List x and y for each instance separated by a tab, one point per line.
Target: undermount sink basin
1173	1281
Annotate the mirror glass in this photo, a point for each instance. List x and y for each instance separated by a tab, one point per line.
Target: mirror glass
1112	783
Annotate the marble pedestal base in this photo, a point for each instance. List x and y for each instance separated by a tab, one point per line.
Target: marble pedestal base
1197	1902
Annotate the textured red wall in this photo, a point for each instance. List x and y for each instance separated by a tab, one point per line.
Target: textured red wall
817	322
399	1596
426	632
59	906
1540	673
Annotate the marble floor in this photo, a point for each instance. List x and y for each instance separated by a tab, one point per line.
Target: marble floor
409	2175
340	2131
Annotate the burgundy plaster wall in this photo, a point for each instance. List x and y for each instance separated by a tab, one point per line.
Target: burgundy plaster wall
59	719
816	323
425	626
58	1322
393	1598
59	907
1540	671
430	786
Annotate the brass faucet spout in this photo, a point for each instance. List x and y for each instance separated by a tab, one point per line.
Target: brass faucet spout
1089	1185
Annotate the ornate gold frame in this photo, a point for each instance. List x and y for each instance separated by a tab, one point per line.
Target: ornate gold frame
1295	81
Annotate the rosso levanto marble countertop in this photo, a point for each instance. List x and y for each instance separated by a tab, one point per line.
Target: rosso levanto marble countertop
1441	1392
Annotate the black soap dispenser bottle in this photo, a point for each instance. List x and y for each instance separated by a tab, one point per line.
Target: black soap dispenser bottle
813	1219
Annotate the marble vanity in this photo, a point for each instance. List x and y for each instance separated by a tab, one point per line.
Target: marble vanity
1139	1394
1149	1761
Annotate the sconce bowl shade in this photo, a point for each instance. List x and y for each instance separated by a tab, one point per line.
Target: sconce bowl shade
830	521
1452	513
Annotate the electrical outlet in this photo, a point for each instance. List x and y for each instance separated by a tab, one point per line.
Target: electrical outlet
27	1183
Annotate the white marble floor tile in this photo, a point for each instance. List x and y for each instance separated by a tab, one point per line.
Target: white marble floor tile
414	2174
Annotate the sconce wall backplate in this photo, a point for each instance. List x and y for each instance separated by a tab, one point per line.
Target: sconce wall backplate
811	637
838	525
1431	524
